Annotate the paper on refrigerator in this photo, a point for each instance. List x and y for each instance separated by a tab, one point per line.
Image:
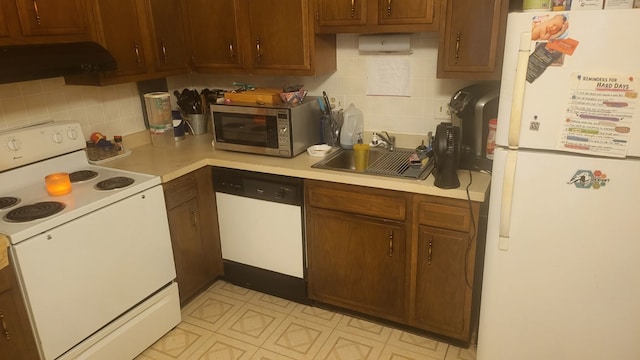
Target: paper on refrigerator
599	115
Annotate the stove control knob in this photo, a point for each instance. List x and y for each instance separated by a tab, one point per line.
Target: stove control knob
72	134
57	138
12	144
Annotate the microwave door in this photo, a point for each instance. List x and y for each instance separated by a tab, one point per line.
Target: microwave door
245	129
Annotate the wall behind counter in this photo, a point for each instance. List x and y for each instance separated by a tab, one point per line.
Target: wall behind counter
116	109
412	115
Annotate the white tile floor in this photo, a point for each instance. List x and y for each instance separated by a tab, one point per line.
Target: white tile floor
231	322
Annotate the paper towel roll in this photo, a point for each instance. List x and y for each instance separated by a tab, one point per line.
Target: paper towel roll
158	106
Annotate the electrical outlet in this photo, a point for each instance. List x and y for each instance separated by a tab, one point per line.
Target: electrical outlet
337	102
441	109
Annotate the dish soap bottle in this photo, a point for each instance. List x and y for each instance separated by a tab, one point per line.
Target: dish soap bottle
352	127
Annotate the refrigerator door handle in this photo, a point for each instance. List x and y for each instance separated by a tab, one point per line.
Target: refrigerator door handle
507	199
518	90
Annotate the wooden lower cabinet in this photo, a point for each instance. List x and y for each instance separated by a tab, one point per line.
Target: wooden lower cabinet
357	262
195	238
16	337
443	296
444	252
393	255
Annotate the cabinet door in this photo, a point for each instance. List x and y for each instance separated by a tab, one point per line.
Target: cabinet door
279	34
357	262
213	44
120	33
472	40
191	268
443	291
51	17
341	12
168	35
397	12
4	29
16	339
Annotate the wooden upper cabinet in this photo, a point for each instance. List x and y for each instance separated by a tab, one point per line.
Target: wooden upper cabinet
44	21
472	39
398	12
376	16
119	32
168	43
267	37
341	12
279	34
46	17
144	36
213	44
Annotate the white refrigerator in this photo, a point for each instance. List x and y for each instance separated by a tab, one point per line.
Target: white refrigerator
562	263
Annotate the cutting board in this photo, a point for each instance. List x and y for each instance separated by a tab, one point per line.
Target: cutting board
257	96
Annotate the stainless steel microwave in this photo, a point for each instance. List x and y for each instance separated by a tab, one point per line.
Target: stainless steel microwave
283	130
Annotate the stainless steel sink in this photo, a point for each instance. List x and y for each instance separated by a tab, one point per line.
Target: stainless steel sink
381	162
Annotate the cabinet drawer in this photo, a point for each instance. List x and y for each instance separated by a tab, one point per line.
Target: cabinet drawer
385	204
444	216
180	190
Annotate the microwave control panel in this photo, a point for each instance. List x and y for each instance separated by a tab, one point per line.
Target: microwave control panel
284	133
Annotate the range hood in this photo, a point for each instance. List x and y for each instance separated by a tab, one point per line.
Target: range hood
32	62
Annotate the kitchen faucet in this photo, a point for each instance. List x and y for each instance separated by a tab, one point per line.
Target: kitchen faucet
386	139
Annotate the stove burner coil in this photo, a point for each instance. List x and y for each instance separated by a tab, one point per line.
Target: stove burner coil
8	201
82	175
35	211
114	183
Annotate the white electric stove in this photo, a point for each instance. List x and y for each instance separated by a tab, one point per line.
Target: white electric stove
95	265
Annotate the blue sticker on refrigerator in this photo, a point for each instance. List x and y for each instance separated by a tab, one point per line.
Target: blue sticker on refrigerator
587	179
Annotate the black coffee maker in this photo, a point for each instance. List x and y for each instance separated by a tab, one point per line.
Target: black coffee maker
472	107
446	151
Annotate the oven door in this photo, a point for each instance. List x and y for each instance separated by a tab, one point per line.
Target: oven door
252	130
82	275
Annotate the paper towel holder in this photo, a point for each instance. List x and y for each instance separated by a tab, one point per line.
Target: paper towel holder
385	43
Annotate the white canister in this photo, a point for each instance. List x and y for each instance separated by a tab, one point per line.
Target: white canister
158	106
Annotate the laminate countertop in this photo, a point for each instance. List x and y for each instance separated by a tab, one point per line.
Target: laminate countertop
194	152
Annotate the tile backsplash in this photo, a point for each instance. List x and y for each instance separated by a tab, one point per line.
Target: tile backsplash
116	109
113	110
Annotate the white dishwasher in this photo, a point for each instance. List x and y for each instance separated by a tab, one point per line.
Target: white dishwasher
260	218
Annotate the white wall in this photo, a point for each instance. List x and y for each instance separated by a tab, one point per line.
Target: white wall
116	110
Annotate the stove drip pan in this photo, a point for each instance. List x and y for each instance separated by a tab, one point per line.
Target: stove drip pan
114	183
35	211
82	175
8	201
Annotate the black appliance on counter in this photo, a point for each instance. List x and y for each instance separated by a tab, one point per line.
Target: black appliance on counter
472	108
446	151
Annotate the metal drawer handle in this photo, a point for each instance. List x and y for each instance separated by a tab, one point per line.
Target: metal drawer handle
430	250
35	8
390	243
164	52
258	51
458	36
232	54
4	327
136	49
388	8
353	8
